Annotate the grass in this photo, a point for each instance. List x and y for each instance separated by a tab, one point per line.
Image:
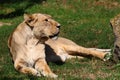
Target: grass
86	22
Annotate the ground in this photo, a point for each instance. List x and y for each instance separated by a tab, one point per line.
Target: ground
86	22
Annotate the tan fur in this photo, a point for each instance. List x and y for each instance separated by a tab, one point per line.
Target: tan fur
67	49
30	46
26	44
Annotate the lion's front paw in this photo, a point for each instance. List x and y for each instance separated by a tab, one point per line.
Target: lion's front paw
52	75
38	74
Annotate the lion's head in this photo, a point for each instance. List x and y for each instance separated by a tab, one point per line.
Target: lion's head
43	25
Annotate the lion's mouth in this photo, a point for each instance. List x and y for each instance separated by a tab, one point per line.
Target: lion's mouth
55	36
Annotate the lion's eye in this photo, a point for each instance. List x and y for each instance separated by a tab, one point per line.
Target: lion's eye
46	19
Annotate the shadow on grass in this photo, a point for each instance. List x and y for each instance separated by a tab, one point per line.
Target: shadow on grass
19	10
19	78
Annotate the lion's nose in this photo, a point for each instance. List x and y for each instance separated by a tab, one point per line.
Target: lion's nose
58	26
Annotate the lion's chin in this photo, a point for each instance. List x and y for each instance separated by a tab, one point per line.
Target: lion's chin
55	37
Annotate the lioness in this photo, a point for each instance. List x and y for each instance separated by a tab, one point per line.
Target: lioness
36	41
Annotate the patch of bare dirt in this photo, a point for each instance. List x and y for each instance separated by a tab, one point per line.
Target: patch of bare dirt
90	76
107	3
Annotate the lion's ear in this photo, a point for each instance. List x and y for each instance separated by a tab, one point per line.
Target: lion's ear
28	18
48	15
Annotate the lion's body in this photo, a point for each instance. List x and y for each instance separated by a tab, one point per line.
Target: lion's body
30	46
27	51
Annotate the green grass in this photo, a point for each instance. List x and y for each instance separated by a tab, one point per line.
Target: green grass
86	22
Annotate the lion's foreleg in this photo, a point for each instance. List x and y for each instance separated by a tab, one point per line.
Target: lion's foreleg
22	67
43	68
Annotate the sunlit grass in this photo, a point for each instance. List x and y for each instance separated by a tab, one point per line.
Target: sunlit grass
86	22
